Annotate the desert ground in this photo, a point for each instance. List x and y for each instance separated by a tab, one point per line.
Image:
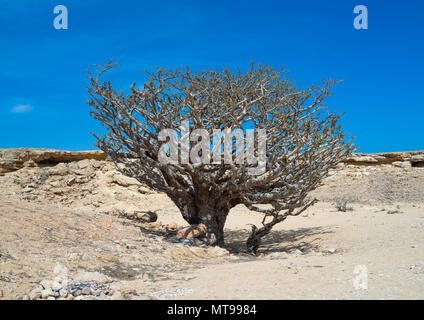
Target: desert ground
70	229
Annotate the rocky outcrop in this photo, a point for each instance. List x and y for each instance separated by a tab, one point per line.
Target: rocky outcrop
413	158
16	158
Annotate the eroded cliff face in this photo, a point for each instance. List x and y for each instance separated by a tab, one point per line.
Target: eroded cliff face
16	158
86	179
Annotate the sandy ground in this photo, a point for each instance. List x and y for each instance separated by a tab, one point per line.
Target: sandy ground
62	223
366	253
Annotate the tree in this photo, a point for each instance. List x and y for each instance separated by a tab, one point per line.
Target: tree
303	141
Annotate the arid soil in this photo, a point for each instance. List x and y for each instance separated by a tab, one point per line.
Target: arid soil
68	230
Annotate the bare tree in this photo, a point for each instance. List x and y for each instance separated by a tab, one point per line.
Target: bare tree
303	141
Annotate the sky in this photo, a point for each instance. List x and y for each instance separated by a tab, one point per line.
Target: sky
43	80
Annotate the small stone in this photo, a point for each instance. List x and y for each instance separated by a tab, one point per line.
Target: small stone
77	293
332	250
51	298
102	296
153	225
63	293
309	250
35	294
56	286
96	293
46	293
46	284
86	291
296	251
131	246
109	292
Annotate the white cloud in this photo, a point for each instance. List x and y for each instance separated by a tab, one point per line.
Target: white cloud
21	108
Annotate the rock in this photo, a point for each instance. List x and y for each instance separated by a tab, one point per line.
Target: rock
47	293
46	284
331	250
102	296
153	225
86	291
55	184
193	231
125	181
296	251
218	251
35	294
77	293
146	216
71	181
14	158
417	160
96	293
56	286
145	190
59	170
63	293
51	298
131	246
402	164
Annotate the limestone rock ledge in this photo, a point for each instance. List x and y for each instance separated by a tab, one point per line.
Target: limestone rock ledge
15	158
413	158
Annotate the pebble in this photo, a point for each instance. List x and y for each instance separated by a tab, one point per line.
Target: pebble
86	291
56	286
46	293
46	284
35	294
102	296
63	293
51	298
95	292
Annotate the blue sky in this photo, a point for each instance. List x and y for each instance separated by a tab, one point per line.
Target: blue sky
43	80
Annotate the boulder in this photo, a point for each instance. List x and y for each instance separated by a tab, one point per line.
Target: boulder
124	180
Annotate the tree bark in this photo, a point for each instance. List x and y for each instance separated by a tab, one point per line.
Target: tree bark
214	221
